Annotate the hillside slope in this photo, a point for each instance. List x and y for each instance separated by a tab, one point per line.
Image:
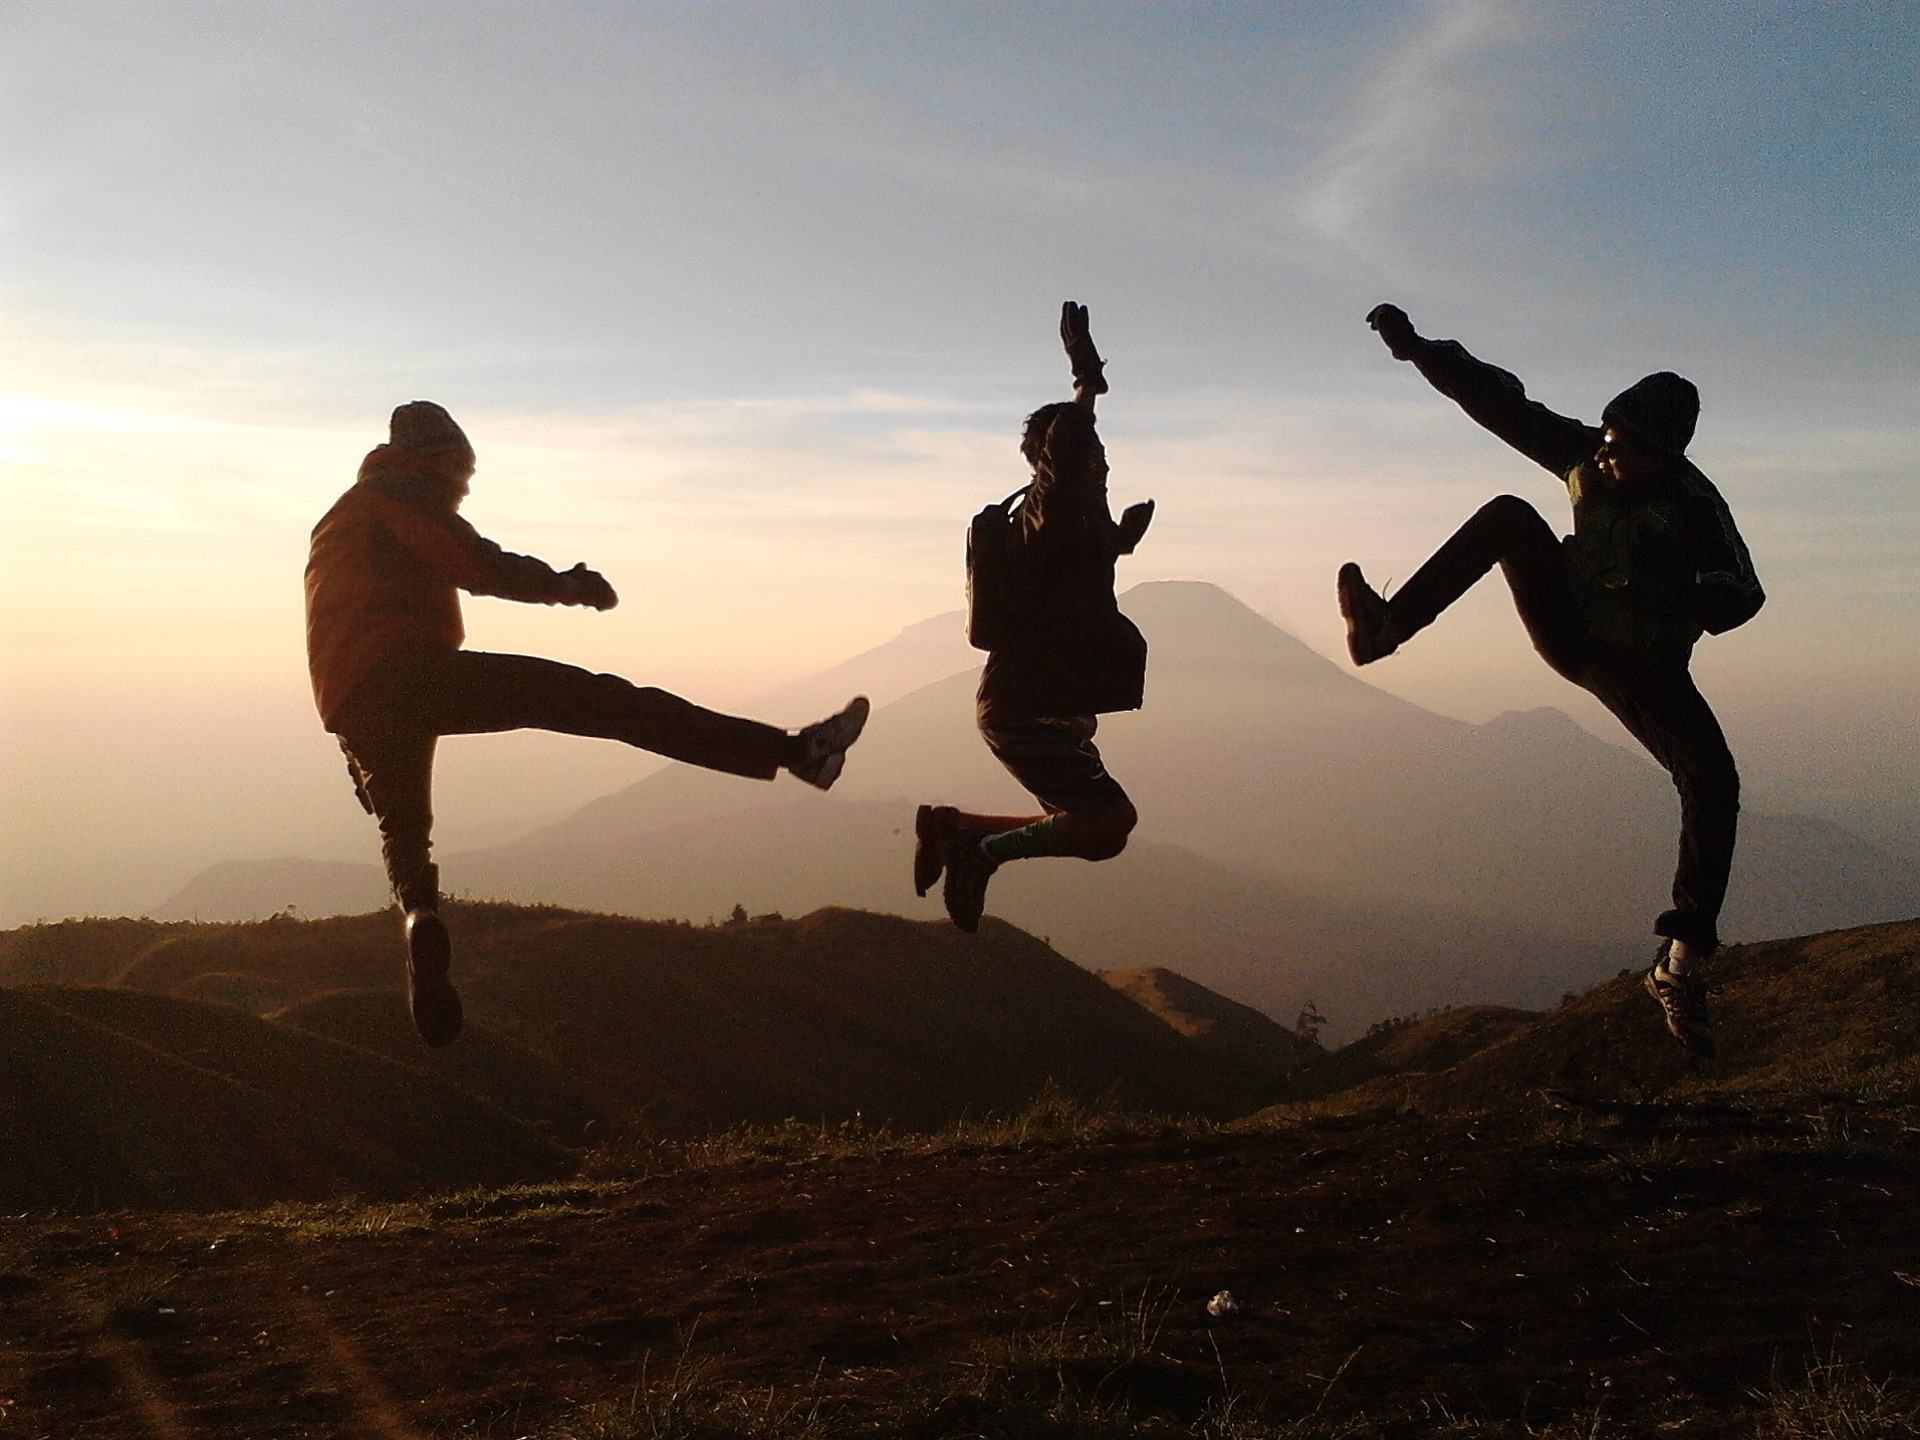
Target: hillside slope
112	1098
162	1089
1813	1019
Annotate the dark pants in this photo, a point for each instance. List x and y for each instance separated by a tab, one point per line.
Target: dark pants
397	715
1055	759
1656	700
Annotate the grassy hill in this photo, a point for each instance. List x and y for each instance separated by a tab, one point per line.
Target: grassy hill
232	1064
1827	1018
111	1098
1547	1226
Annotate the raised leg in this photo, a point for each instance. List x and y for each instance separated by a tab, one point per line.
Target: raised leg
1510	533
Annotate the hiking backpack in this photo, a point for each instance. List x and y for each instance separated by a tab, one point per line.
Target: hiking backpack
994	571
1726	591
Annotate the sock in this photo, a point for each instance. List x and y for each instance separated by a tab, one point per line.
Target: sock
1680	958
1022	844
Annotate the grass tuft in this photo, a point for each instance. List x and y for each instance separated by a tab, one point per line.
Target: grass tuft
687	1403
1837	1399
1053	1119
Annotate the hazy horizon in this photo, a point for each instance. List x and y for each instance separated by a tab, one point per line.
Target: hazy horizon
743	307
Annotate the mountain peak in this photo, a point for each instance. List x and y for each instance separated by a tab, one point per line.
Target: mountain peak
1205	627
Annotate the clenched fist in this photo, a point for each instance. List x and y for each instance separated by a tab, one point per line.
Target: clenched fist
589	587
1391	324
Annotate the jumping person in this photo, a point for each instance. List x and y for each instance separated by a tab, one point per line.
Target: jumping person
1060	653
1653	562
390	677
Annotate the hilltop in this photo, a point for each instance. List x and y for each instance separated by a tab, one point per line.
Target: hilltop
1500	1239
234	1064
152	1063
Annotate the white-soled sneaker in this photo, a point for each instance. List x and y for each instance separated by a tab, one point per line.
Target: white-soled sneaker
823	745
1683	1000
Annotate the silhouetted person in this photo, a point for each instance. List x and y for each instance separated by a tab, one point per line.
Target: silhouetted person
383	644
1654	560
1060	653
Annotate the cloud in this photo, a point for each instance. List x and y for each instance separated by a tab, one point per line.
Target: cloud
1421	121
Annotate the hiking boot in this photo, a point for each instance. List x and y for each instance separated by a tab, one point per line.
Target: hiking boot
933	831
822	747
1371	634
1683	1000
431	998
968	870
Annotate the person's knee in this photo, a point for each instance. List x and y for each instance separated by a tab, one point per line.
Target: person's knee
1104	835
1509	511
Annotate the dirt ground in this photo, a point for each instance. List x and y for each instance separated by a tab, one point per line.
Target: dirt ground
1626	1271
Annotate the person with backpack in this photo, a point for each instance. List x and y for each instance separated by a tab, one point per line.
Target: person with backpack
390	676
1654	562
1040	602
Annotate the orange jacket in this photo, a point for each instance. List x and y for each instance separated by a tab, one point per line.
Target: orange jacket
384	569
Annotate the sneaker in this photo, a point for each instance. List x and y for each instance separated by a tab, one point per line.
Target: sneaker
1371	634
823	745
1683	999
968	870
933	829
431	998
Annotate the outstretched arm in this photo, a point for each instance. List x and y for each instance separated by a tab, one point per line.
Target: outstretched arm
1090	382
468	559
1492	397
1089	370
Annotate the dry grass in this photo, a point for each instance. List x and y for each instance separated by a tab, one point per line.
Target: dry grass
1836	1399
1052	1118
351	1218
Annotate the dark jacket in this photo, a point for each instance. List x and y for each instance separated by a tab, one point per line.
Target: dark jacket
1071	651
383	572
1651	568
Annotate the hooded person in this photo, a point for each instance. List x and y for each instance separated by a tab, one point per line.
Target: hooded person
1653	563
390	675
1059	652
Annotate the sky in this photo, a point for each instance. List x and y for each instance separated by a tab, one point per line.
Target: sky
742	304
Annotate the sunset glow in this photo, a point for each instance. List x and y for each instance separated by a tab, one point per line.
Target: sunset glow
743	307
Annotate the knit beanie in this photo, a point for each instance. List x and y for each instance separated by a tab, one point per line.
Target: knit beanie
426	428
1659	410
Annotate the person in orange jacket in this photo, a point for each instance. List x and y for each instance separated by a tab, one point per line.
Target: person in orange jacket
390	676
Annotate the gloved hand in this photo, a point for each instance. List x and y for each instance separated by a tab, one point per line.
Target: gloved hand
1391	324
1089	370
1133	524
589	587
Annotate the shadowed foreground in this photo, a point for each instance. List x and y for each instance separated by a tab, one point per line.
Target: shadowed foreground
1696	1271
1500	1226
